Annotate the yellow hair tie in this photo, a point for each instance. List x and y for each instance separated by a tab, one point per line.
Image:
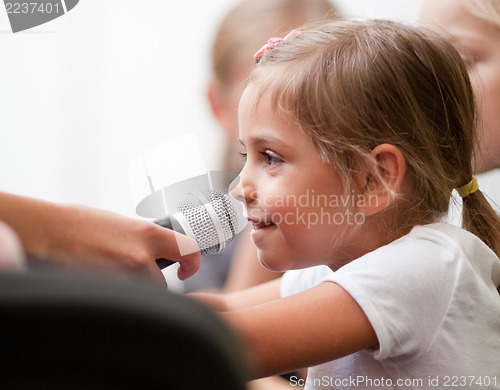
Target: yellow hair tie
469	188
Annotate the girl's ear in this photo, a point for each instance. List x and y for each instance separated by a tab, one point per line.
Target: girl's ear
380	191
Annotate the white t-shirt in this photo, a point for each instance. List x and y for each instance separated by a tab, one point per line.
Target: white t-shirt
431	297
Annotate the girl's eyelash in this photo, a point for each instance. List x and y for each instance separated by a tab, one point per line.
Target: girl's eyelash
271	159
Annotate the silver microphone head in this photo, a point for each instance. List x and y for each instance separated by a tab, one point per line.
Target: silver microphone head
210	217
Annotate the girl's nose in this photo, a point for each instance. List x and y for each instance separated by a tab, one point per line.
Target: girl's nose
243	189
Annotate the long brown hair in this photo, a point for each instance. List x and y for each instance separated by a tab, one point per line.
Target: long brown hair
354	85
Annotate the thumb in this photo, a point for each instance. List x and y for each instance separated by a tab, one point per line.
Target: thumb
182	249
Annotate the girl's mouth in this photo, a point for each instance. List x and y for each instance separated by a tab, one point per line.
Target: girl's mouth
261	225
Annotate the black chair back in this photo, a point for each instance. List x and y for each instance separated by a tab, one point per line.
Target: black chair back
79	331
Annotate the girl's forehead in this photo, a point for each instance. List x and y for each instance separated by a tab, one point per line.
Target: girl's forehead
259	105
254	91
249	94
259	118
266	92
253	101
248	105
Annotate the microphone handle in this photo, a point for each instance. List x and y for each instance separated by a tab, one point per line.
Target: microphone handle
166	223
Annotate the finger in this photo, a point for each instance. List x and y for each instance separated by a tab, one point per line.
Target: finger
11	252
183	249
190	259
189	265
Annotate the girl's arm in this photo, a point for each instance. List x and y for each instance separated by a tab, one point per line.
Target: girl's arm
242	299
313	327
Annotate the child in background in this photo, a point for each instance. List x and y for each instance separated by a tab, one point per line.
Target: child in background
474	28
355	135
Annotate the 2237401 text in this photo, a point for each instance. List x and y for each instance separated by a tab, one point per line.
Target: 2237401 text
32	8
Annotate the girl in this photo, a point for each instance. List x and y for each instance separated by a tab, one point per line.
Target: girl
239	35
355	135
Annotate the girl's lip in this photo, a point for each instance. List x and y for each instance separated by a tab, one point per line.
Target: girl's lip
260	231
257	225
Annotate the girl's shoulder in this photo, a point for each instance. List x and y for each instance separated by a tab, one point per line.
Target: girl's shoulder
434	251
454	238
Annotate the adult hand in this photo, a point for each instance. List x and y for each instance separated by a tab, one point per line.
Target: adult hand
108	240
77	235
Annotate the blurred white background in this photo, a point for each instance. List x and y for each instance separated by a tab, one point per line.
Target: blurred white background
83	95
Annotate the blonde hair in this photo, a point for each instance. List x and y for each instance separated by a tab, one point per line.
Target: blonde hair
354	85
488	10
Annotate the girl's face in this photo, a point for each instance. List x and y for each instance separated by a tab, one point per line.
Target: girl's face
479	43
293	198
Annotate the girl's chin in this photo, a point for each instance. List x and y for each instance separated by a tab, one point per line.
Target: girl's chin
271	264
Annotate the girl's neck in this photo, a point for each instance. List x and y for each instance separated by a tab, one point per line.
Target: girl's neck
376	232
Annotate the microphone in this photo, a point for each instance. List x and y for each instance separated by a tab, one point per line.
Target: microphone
210	216
199	207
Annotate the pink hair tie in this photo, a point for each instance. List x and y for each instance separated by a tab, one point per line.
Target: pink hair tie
272	43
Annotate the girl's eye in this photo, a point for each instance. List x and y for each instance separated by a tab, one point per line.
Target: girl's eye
271	158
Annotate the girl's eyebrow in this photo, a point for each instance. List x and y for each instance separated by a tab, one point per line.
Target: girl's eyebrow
259	140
